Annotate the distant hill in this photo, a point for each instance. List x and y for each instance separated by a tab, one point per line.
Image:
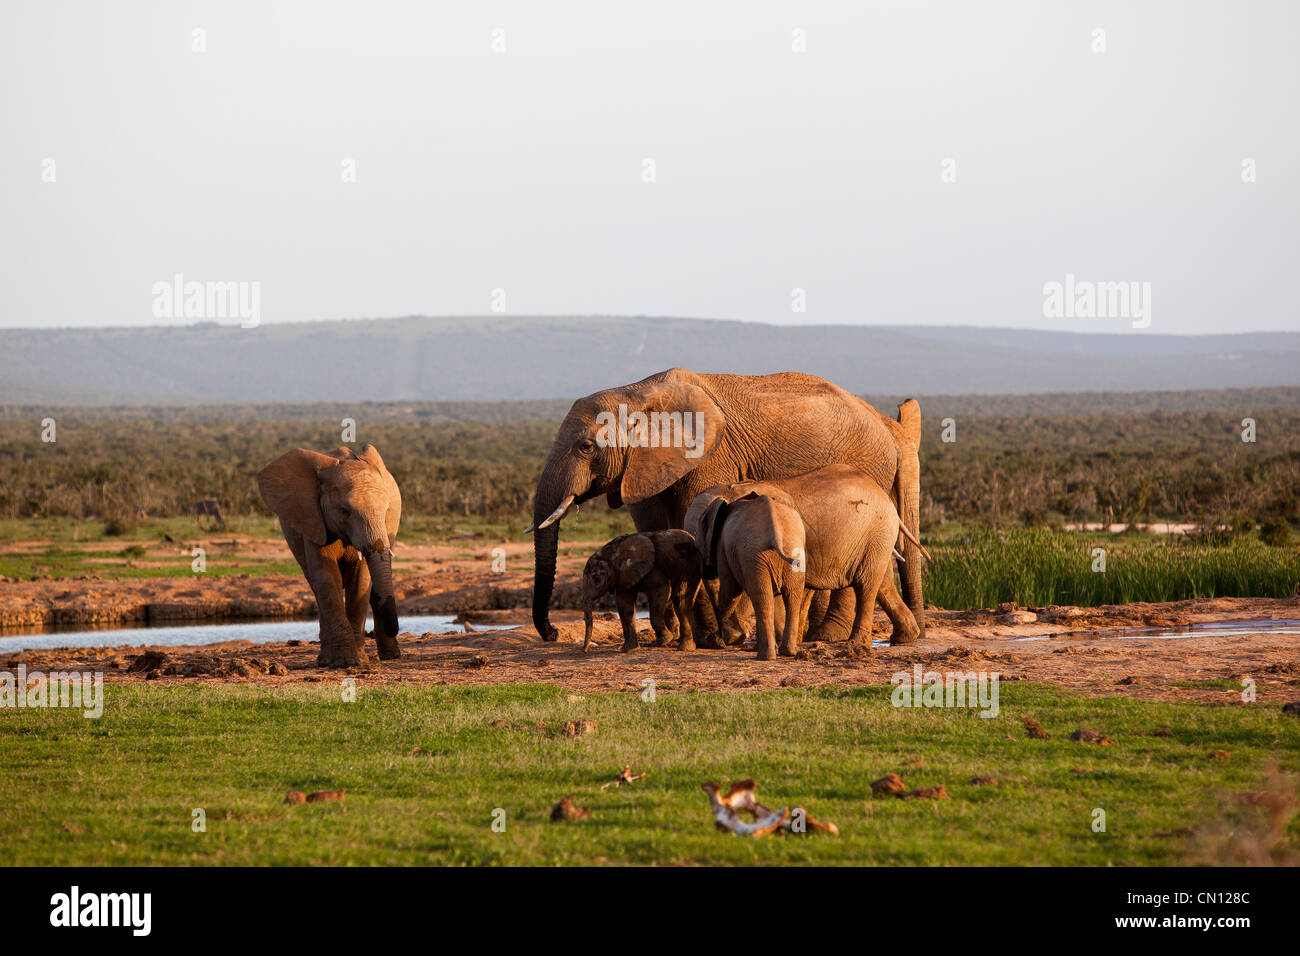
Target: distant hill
503	358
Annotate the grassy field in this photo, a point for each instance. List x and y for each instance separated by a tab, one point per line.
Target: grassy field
1035	566
424	769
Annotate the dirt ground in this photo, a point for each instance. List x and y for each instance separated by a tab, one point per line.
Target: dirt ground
1070	647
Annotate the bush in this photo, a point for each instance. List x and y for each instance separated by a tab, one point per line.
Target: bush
1275	532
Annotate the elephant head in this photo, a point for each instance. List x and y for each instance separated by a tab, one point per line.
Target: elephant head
628	444
347	497
617	566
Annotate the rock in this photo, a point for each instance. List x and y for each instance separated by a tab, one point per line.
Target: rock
476	662
576	728
793	680
929	793
1033	728
1020	617
1162	732
1221	754
323	796
567	810
1293	708
891	784
1131	680
153	674
148	661
294	643
295	796
1086	735
984	781
277	669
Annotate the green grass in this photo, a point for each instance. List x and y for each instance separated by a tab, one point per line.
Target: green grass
70	562
121	789
1037	566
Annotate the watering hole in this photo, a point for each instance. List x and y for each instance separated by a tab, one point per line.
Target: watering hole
259	632
1208	629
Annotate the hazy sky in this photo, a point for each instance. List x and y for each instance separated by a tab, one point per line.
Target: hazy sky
774	170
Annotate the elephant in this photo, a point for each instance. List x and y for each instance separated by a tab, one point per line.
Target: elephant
663	565
755	546
657	443
210	508
339	513
850	528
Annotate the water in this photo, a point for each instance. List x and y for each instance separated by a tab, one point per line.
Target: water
1211	628
191	635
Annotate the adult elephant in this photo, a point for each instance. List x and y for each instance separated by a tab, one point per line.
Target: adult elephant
729	428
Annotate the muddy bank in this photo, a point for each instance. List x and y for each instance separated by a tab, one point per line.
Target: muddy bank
1095	663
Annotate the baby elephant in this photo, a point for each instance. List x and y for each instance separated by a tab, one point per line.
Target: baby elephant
849	528
662	565
755	546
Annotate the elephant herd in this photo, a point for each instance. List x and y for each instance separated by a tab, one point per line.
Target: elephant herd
769	486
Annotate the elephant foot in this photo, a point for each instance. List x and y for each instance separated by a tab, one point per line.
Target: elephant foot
343	659
686	644
766	650
905	635
388	649
712	640
663	641
788	650
629	644
550	634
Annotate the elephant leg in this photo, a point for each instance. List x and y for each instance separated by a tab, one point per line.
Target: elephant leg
835	623
808	594
908	499
733	624
758	584
794	602
905	630
685	599
657	598
704	620
625	601
866	609
356	596
338	646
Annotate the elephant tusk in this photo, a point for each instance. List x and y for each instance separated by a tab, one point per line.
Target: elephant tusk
557	514
898	554
910	537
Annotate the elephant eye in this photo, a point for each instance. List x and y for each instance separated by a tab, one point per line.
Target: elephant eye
586	446
346	512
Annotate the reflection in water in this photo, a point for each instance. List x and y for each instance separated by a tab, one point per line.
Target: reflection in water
259	632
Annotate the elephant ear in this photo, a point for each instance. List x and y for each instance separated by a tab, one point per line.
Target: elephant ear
693	433
290	486
393	517
633	560
711	530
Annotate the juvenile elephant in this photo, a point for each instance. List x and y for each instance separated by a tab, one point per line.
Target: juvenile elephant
662	565
755	545
850	527
339	513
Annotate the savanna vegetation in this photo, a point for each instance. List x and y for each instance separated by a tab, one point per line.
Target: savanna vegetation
996	498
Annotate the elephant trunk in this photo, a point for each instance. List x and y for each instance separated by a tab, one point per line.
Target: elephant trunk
383	602
546	542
